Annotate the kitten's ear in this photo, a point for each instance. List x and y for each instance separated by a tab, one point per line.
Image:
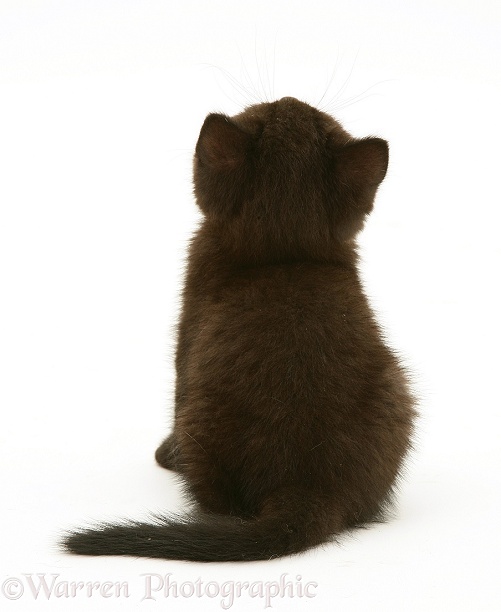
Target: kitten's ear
359	168
363	163
222	145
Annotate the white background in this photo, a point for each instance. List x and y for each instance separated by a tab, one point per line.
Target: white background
101	102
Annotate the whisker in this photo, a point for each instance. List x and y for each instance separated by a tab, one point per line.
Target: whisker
333	105
274	65
258	69
240	88
253	92
340	91
329	82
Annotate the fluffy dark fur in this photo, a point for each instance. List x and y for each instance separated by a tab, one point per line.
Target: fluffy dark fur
292	415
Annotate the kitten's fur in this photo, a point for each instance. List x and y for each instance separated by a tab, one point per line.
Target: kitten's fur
292	415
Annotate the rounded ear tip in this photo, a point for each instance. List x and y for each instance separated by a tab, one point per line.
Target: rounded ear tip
364	160
216	117
222	144
213	119
380	143
380	157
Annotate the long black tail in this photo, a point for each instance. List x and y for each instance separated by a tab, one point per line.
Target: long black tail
207	537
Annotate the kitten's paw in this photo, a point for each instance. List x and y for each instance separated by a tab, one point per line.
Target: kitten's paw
167	454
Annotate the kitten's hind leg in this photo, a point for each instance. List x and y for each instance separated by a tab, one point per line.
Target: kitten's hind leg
167	454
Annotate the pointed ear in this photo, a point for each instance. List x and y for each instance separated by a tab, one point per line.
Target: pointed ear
222	145
363	163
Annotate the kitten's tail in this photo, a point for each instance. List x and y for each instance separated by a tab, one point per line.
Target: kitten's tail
287	525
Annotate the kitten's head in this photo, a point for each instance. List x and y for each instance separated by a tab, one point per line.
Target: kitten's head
286	178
